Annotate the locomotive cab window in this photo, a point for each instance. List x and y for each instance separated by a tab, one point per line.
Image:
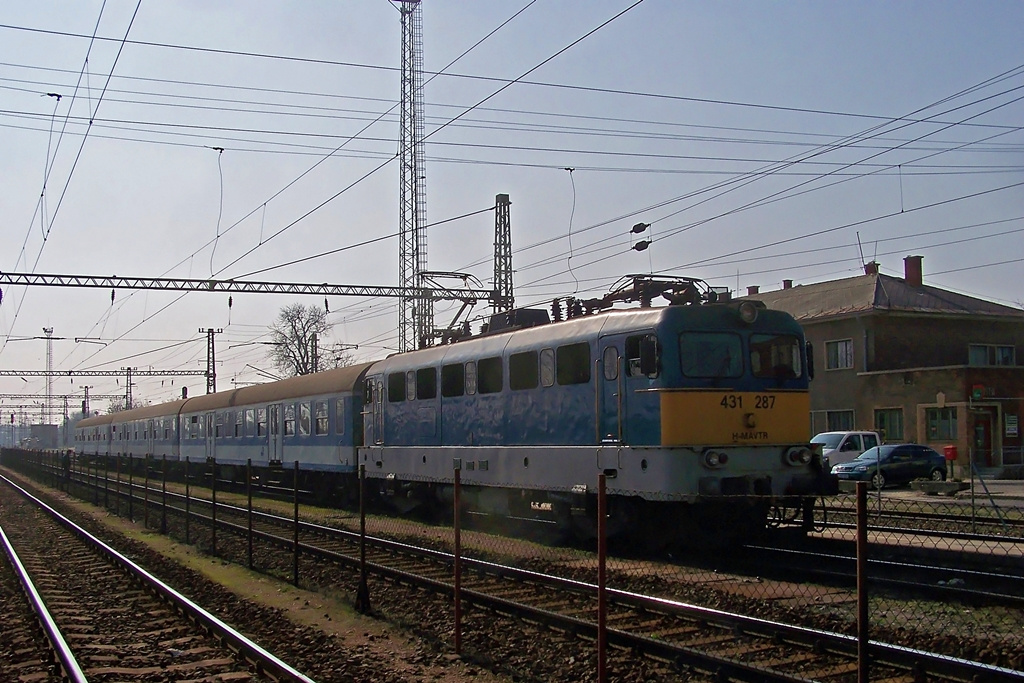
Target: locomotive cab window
522	370
775	355
643	357
453	380
711	354
396	387
572	363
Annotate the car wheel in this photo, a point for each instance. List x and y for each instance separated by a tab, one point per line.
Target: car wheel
938	475
878	480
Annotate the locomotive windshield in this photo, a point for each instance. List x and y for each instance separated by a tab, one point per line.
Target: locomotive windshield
775	355
711	354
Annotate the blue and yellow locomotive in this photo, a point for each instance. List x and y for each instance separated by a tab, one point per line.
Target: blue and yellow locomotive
696	412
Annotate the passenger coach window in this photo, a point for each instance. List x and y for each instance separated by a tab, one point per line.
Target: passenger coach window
710	354
339	416
453	381
522	370
249	420
775	355
572	363
426	383
321	418
396	387
304	418
491	377
239	423
261	422
289	419
547	367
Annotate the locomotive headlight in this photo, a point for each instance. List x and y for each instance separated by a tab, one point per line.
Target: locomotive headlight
715	458
748	312
799	455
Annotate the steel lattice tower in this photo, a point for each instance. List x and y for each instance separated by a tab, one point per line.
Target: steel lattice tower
503	300
415	314
49	373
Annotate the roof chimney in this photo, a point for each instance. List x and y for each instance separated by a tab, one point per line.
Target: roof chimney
787	284
753	289
912	270
871	268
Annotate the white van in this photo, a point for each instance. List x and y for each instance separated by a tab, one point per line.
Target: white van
840	447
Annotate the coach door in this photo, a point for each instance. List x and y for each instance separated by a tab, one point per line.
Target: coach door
610	397
373	399
276	443
211	442
150	437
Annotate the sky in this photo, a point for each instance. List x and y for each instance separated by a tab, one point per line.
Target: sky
762	142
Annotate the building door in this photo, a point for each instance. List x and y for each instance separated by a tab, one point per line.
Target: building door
982	439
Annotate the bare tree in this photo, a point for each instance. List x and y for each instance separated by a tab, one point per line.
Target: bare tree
295	336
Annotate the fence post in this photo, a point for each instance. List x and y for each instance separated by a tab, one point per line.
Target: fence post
862	582
458	558
188	500
363	592
131	488
295	560
602	600
248	495
145	504
106	483
96	483
117	484
163	495
213	509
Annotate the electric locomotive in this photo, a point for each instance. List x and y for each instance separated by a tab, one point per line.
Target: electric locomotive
697	413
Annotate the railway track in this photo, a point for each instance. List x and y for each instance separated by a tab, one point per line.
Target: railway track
101	625
690	637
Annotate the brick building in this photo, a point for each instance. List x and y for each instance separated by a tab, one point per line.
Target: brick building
915	363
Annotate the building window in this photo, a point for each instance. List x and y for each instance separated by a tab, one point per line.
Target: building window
941	423
839	354
839	420
889	424
991	354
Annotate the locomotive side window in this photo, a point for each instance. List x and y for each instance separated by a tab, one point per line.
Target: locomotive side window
453	380
304	418
491	379
261	422
289	419
339	416
775	355
710	354
522	370
426	383
572	363
547	367
471	377
396	387
322	427
410	385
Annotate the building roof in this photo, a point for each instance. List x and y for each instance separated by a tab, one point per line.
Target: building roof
875	293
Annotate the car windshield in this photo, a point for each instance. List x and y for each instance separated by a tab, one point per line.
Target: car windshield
872	454
828	440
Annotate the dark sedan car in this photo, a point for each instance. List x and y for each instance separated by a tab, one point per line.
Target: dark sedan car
894	464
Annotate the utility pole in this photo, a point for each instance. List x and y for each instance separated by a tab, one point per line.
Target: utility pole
211	360
503	299
128	389
85	402
48	331
415	312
